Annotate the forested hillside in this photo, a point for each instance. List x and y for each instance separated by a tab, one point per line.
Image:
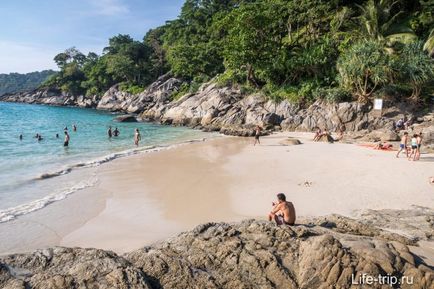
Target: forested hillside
16	82
297	50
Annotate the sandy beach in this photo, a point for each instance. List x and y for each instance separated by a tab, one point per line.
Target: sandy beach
142	199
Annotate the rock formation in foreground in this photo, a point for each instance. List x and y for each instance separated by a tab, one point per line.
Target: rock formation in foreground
322	253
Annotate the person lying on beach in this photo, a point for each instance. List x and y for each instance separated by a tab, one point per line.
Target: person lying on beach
403	145
383	146
283	213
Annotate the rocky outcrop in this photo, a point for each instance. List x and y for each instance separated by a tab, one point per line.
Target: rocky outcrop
52	97
228	110
330	252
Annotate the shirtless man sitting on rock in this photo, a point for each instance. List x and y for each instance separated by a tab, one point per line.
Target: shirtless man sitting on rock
283	212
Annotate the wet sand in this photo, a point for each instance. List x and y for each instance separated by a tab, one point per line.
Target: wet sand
146	198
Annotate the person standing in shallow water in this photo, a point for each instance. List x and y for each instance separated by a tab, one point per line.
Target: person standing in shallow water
66	142
74	127
109	132
137	137
116	132
21	137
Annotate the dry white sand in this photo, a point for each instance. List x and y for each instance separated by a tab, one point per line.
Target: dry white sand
143	199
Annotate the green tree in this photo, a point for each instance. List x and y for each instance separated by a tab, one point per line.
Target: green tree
383	20
364	67
416	68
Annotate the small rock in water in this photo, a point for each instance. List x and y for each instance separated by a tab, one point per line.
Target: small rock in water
126	118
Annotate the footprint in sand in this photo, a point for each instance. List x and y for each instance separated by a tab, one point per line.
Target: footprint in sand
306	184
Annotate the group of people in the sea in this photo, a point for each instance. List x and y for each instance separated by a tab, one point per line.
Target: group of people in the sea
111	133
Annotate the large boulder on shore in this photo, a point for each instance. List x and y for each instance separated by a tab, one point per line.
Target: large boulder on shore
115	99
324	253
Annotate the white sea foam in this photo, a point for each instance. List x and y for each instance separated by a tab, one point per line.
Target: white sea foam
13	212
99	161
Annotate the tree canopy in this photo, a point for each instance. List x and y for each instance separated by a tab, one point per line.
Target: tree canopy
301	50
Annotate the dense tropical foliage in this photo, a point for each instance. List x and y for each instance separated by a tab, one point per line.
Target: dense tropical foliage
16	82
299	50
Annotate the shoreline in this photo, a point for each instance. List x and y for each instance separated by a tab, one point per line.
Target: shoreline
11	213
146	198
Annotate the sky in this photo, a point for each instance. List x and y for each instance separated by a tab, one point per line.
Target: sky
32	32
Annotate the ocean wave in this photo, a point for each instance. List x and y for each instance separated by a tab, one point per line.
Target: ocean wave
12	213
99	161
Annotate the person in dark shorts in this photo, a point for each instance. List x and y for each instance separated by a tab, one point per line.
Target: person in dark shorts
283	213
257	135
403	145
419	144
66	142
413	148
109	132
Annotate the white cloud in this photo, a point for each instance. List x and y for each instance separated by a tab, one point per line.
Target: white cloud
109	7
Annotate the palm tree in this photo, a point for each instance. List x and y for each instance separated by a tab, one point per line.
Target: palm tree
429	44
380	22
417	68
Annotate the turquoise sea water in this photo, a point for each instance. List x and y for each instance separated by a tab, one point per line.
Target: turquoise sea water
28	166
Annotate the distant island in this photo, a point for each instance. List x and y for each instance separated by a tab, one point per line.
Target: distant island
17	82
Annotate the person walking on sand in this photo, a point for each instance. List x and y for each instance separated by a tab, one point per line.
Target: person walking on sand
283	213
403	144
66	141
137	137
109	132
419	144
257	135
413	147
